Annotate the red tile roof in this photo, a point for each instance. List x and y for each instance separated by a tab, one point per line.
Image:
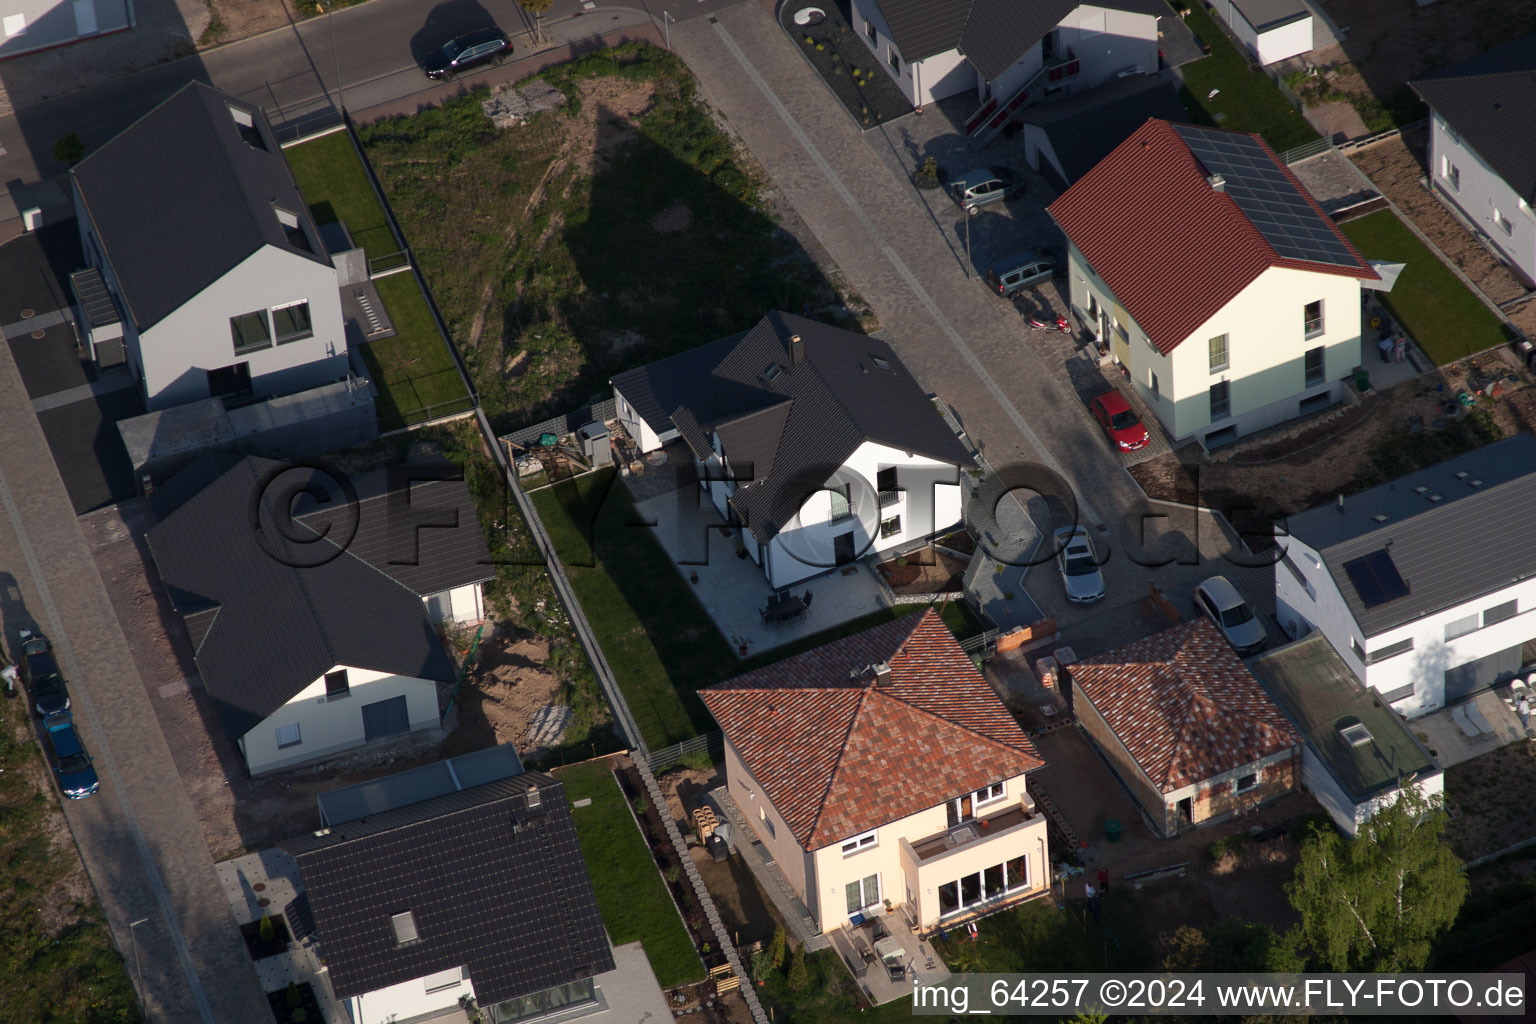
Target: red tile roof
839	755
1184	706
1171	248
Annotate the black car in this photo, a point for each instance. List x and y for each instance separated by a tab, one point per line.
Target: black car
467	51
45	683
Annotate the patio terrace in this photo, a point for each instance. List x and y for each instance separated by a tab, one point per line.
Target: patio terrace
861	946
993	825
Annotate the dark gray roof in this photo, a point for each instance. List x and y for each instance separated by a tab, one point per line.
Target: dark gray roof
1490	101
793	432
414	522
656	389
923	28
1269	14
1317	692
998	32
1084	128
424	782
1469	543
270	614
493	884
179	198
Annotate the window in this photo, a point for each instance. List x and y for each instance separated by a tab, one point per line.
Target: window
987	884
1451	172
291	322
864	892
405	928
841	507
890	527
858	843
444	979
1312	365
869	30
245	123
1503	222
895	62
288	736
336	685
1500	612
1393	696
1221	401
989	794
1353	731
251	332
1152	380
885	479
1286	561
14	25
1218	353
1246	783
292	229
1460	627
1390	651
1312	314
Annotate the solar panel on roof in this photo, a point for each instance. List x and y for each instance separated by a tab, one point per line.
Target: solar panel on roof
1376	578
1266	196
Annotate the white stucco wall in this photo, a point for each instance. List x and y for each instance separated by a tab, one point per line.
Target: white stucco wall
921	82
327	726
465	605
1483	197
176	353
638	428
1108	42
408	1000
1284	41
29	25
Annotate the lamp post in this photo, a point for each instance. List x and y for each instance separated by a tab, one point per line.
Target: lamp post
666	26
970	212
138	970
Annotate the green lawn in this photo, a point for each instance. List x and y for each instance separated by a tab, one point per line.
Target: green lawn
335	184
1039	937
631	894
1247	100
414	370
1442	315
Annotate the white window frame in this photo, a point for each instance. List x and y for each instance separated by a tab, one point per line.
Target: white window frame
293	730
1226	352
859	843
288	339
1258	778
989	794
1462	626
1315	327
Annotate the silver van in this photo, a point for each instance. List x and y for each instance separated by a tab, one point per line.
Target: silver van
983	187
1020	271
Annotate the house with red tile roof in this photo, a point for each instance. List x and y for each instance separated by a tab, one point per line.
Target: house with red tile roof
881	769
1218	284
1187	727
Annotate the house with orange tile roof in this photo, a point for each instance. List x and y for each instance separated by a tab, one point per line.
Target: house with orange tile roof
1217	283
1187	727
882	773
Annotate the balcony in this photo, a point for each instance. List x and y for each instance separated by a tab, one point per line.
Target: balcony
990	822
889	498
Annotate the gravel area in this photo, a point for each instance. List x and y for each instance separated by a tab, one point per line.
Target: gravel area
843	63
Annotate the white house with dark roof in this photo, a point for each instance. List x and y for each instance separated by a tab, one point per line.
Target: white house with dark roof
194	231
306	645
1482	145
1225	293
1425	586
815	441
1067	139
1010	55
1270	30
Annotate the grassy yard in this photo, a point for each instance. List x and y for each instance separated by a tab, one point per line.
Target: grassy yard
414	370
1038	937
1247	100
1444	317
597	237
631	895
60	964
335	184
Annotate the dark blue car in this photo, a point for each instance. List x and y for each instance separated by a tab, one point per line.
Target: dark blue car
71	764
45	683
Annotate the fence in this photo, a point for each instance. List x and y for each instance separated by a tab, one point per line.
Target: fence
1302	152
469	661
712	744
598	412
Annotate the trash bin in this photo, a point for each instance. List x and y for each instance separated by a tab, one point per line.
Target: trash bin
1112	830
1362	380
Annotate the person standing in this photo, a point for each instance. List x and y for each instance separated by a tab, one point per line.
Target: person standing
1104	880
1400	349
1525	711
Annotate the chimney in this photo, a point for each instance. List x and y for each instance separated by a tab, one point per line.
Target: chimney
534	799
796	350
882	674
1217	182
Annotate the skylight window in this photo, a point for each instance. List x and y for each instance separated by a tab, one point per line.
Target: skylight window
880	362
1354	733
772	373
1378	518
1421	489
1474	483
245	121
1461	474
1434	499
405	928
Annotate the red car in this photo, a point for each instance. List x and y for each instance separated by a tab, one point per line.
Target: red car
1119	422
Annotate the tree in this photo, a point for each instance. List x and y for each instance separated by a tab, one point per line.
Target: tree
776	947
762	965
799	974
267	930
537	9
1376	902
69	150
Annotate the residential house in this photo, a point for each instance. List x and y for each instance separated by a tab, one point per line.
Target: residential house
464	888
1010	56
30	25
815	441
1270	30
1410	582
1067	139
1357	755
882	767
194	230
1221	288
1482	146
306	646
1186	726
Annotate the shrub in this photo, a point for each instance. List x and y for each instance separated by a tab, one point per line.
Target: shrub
1232	844
927	176
799	974
267	930
776	948
69	150
673	874
762	965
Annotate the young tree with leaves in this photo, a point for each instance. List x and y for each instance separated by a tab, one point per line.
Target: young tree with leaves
799	973
776	947
1376	902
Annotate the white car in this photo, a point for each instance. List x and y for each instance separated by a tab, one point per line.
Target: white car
1224	606
1078	565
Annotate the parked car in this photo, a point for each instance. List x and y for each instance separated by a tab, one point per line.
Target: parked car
1224	606
1020	271
71	764
1126	431
45	683
469	50
983	187
1078	565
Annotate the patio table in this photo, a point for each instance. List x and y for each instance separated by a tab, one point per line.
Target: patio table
783	611
890	950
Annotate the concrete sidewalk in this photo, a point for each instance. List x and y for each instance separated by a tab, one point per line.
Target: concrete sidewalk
138	836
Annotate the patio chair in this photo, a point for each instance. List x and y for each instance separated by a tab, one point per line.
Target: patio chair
807	600
1459	716
1479	720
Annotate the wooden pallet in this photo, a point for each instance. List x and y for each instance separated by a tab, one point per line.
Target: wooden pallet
705	822
724	978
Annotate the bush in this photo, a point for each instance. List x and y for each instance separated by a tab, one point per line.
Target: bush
762	965
1232	844
69	150
799	975
776	948
268	931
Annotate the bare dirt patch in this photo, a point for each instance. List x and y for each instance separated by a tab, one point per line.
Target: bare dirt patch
1485	819
924	571
507	686
240	19
676	217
